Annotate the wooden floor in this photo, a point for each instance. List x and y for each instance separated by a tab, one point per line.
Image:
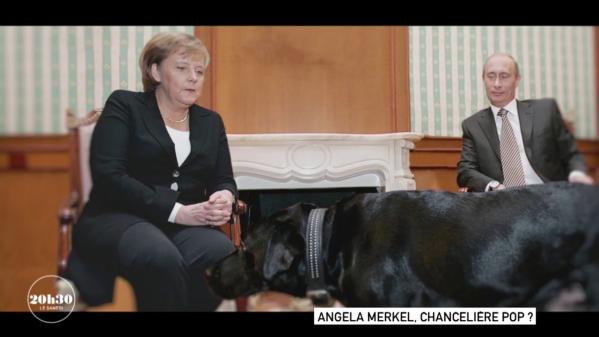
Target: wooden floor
275	301
124	299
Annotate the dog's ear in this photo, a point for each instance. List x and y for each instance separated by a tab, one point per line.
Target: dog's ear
293	213
283	248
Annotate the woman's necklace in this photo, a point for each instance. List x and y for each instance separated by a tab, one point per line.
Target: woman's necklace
180	120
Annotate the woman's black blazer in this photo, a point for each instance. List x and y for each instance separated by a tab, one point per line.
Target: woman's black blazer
135	172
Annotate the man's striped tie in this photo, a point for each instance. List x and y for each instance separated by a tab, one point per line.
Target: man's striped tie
513	174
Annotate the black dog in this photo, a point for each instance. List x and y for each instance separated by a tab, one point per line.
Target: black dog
515	247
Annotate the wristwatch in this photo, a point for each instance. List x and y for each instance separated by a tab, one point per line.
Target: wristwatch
493	185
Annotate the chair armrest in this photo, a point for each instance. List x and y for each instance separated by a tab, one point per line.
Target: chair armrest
235	223
235	235
67	215
233	231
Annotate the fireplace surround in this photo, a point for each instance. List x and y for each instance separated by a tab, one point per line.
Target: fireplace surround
322	160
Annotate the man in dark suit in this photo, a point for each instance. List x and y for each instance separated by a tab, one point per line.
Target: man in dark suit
514	143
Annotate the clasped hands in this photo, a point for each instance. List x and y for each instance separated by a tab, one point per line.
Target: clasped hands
214	212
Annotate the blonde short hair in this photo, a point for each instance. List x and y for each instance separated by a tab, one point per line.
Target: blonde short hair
161	46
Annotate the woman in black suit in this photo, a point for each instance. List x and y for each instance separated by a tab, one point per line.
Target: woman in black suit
162	184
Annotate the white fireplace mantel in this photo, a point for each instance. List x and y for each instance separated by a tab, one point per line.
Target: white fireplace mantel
322	160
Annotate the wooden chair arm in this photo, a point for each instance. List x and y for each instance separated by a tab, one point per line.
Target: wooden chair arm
235	236
67	215
235	224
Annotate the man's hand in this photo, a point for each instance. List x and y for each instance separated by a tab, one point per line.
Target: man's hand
495	186
581	178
